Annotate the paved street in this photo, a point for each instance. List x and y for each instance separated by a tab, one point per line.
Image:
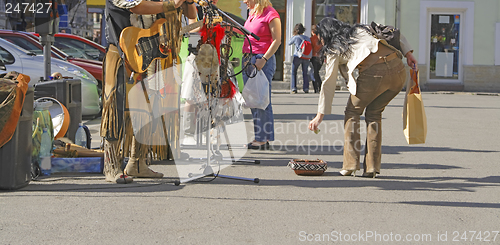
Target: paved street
446	191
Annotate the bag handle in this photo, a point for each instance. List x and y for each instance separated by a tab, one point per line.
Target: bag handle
416	88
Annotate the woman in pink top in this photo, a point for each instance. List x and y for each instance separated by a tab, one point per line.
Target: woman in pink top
264	21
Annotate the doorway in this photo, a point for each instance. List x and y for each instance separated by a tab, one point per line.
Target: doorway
446	41
445	47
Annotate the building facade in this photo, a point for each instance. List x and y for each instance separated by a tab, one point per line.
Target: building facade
457	42
72	16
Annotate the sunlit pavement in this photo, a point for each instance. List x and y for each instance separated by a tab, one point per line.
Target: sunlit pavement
432	193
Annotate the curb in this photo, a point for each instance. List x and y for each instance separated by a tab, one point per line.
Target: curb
469	93
280	87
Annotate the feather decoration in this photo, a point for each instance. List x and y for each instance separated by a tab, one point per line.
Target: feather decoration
213	35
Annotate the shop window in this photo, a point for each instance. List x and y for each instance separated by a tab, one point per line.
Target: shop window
344	10
445	46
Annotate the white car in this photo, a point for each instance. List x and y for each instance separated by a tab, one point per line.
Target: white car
17	59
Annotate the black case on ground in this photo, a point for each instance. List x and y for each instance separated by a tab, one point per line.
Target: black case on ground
15	156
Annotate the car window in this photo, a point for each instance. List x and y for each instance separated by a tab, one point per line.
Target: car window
86	51
7	57
70	50
23	43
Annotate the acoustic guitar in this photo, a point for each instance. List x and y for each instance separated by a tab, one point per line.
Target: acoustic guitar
142	46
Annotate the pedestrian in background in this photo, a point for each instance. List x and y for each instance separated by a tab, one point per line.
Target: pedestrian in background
297	39
316	60
381	77
264	21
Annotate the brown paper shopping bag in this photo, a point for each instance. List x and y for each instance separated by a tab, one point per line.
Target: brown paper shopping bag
414	119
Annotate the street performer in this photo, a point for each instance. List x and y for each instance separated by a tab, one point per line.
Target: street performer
115	128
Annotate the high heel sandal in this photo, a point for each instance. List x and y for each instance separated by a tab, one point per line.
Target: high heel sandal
370	174
348	172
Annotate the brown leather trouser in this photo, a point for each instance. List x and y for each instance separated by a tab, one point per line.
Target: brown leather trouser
376	87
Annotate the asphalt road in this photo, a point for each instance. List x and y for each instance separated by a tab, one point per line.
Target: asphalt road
446	191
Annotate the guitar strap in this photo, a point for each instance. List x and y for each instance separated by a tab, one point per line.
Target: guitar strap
142	20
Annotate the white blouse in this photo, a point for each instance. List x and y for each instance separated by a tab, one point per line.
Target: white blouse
366	45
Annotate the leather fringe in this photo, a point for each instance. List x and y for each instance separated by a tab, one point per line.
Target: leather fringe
110	127
112	159
154	132
109	119
173	31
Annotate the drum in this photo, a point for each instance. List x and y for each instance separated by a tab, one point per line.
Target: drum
60	116
41	121
308	167
42	118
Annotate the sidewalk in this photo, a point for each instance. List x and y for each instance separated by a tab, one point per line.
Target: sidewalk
425	194
281	86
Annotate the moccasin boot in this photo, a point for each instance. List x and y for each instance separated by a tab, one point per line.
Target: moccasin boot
123	179
138	168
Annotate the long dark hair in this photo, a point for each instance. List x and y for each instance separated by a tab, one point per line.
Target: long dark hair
337	36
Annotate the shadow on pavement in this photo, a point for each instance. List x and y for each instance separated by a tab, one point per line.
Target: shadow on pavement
87	183
298	151
338	164
382	182
298	116
456	204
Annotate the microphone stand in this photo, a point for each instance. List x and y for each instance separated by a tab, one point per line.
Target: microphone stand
208	170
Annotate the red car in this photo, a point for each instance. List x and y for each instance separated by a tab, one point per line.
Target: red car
31	42
78	47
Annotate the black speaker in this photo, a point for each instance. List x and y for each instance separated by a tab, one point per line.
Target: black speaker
15	155
69	93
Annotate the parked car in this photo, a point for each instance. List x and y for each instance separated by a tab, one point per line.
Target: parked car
78	47
31	42
15	58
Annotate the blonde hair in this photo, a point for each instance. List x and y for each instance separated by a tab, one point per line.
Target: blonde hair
260	5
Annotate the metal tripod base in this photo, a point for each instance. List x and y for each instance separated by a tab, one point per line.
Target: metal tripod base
255	180
224	158
208	171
